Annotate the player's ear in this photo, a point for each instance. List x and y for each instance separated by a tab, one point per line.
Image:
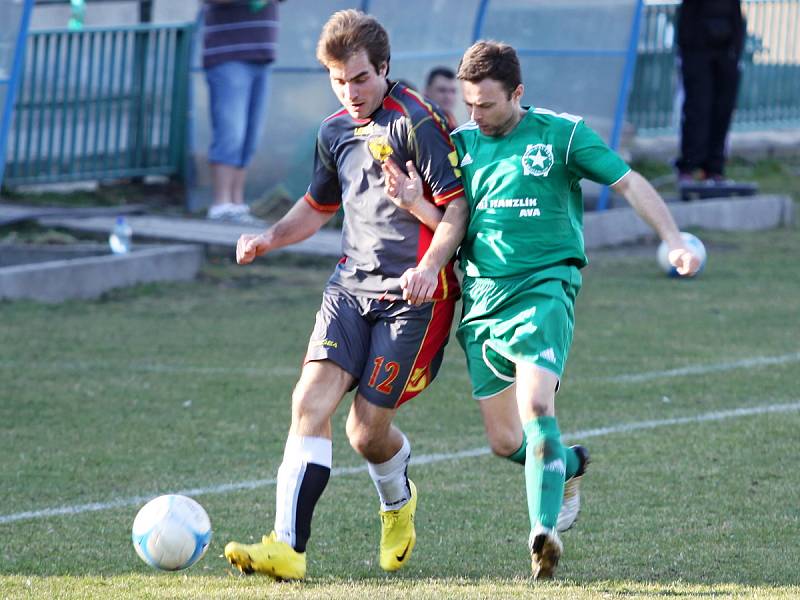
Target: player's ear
516	95
383	71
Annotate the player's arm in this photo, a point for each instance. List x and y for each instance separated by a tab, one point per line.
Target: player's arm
405	190
649	205
419	283
300	223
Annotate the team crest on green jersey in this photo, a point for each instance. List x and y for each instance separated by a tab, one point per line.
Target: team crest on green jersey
537	160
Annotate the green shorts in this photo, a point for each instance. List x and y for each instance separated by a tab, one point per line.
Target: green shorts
510	320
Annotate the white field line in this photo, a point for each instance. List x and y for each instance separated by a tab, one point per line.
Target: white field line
748	363
145	367
426	459
288	371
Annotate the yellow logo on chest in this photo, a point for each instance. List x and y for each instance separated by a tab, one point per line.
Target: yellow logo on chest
379	148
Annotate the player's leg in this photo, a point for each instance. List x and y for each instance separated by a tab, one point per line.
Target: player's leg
302	475
545	467
406	347
502	424
387	452
524	340
305	469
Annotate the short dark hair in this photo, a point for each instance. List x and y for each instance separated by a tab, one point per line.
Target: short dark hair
491	60
349	31
445	72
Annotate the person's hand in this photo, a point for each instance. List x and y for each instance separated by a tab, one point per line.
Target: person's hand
419	284
685	262
249	246
405	190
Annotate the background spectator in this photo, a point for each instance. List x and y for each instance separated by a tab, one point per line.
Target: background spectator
240	40
710	38
440	86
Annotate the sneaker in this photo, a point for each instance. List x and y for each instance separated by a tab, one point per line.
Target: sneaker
231	213
398	535
270	557
545	549
571	504
241	214
221	212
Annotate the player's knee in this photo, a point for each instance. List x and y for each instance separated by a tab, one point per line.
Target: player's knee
363	439
306	414
504	443
360	438
540	408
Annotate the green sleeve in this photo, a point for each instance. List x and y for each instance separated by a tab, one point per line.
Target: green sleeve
589	157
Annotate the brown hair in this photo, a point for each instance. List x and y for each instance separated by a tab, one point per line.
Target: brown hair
349	31
491	60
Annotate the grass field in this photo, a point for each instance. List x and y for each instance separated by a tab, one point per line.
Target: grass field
684	391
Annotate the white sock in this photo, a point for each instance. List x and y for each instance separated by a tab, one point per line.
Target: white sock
390	478
298	453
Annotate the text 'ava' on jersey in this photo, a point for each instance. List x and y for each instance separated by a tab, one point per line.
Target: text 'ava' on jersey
528	207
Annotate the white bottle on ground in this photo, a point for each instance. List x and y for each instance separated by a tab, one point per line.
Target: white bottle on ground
120	239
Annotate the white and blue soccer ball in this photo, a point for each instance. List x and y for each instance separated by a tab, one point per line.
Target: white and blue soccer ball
693	243
171	532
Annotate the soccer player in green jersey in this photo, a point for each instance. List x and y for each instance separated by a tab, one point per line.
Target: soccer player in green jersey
521	257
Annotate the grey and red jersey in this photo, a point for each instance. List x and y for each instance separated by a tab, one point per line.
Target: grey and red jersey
379	239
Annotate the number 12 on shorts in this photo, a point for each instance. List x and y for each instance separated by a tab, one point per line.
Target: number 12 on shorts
390	371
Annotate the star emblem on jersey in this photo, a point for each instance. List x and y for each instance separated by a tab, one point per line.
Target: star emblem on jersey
537	160
379	148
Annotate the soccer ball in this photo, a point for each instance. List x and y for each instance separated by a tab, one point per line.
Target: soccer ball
693	243
171	532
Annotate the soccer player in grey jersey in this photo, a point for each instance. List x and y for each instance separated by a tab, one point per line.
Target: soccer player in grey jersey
372	158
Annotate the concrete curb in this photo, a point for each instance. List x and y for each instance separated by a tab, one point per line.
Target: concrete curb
84	278
754	213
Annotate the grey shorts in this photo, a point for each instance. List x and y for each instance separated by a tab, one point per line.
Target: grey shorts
393	349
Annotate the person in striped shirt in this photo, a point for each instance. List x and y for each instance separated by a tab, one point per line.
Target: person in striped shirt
240	40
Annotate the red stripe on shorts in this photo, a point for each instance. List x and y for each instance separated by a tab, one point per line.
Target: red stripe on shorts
435	336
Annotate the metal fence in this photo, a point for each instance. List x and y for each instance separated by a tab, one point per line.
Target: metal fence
769	92
101	103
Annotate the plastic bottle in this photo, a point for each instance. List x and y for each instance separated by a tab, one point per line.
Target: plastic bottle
120	239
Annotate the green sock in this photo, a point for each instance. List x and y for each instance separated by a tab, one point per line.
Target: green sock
572	460
544	471
519	455
573	463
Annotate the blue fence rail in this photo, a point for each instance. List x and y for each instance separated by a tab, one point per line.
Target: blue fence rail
769	93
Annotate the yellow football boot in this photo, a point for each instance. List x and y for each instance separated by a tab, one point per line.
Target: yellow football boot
269	557
398	535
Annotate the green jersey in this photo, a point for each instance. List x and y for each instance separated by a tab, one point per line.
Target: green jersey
526	206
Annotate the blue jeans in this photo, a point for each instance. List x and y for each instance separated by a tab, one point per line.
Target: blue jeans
238	103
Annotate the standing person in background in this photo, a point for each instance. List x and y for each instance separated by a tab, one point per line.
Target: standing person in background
440	86
240	41
710	38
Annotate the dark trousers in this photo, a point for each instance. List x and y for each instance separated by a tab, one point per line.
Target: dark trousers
710	83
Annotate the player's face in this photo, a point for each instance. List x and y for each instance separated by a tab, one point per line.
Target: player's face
357	85
490	107
442	91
